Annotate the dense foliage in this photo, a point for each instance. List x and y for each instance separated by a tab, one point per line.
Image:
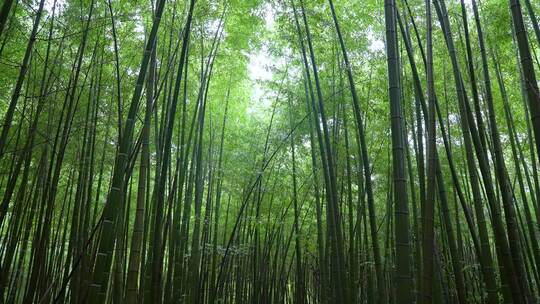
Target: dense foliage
278	151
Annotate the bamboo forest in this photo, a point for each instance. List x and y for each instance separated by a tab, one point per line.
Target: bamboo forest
270	151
